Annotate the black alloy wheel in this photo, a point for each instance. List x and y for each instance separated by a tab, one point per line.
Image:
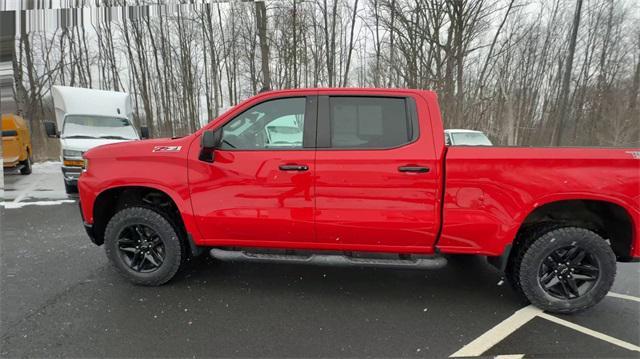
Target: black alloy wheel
568	272
144	246
141	248
566	269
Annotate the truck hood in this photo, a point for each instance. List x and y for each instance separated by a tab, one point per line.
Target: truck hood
142	150
85	144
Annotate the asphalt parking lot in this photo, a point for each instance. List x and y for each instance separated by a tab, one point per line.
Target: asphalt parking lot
60	297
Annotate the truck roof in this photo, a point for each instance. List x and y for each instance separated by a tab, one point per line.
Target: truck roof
371	90
11	121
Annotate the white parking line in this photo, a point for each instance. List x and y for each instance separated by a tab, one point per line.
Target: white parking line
498	333
505	328
623	296
14	204
593	333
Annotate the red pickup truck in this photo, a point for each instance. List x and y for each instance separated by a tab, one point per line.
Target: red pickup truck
363	177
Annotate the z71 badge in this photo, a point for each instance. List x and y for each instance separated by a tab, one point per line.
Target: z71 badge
634	154
167	148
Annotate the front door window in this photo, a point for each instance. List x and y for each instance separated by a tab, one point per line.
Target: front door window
275	124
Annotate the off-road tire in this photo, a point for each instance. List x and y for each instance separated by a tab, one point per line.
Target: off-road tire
173	246
26	168
540	248
524	240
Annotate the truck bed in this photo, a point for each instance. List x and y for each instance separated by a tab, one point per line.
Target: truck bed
490	191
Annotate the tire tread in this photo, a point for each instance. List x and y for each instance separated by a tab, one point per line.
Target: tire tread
164	225
538	245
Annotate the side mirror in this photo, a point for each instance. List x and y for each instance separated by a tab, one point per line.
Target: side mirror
208	143
144	132
50	128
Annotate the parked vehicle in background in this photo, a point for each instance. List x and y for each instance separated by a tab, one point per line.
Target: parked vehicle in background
86	118
16	143
365	180
459	137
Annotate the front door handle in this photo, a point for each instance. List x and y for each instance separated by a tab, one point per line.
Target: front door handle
417	169
294	167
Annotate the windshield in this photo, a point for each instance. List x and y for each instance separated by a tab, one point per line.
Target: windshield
470	139
85	126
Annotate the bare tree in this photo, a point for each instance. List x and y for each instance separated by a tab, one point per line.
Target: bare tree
564	92
498	65
261	23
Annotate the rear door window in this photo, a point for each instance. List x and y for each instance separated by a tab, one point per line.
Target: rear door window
370	122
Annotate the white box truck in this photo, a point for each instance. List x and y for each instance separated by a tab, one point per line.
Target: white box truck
86	118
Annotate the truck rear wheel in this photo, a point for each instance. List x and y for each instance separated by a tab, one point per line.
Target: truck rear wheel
26	167
144	246
567	270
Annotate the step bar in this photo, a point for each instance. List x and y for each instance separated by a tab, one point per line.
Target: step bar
422	262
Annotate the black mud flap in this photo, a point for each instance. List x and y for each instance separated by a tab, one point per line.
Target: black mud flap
501	261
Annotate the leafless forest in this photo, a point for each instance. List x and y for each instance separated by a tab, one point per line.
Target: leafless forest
527	72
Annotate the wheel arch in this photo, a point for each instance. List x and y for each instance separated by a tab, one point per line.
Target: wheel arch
111	200
27	151
609	219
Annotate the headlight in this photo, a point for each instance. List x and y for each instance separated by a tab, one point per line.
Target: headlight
71	154
85	166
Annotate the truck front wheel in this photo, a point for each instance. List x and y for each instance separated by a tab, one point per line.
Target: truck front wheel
567	270
143	246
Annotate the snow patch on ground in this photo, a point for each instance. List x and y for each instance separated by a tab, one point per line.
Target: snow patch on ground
47	167
13	205
43	187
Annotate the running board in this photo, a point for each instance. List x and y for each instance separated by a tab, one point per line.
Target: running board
423	262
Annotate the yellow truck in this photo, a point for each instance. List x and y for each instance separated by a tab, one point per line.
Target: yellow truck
16	143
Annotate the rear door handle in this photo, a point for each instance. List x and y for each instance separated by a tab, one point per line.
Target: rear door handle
294	167
417	169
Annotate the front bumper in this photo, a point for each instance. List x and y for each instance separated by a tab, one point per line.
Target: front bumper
88	227
71	174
